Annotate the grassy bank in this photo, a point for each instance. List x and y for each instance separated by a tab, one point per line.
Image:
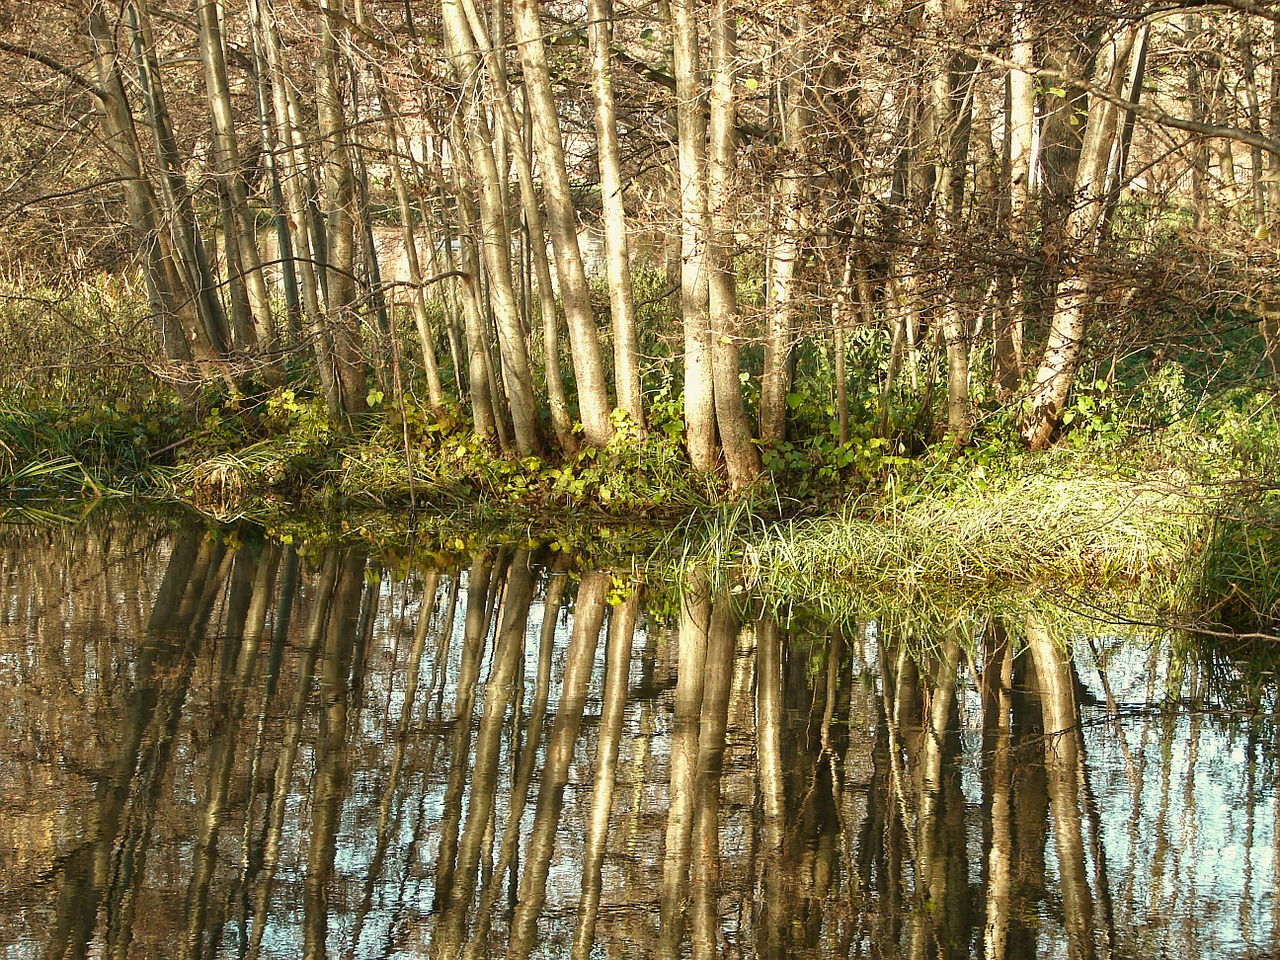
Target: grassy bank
1178	515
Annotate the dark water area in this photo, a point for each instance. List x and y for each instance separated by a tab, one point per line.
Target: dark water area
220	746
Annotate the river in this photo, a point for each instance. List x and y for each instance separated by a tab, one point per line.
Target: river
218	745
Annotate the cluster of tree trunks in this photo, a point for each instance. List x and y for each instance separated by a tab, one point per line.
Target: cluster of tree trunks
945	176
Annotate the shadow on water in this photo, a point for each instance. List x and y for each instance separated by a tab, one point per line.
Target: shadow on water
235	748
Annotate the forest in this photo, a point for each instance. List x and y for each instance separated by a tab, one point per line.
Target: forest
657	478
642	257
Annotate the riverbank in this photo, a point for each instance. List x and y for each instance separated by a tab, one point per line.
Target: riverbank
1184	520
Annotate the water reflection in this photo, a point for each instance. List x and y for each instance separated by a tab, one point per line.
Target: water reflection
218	747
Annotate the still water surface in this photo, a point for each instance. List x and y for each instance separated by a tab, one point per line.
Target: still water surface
225	747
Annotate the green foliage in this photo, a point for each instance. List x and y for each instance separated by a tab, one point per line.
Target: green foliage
89	448
1093	417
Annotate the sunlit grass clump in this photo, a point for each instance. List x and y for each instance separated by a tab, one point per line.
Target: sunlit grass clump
1044	526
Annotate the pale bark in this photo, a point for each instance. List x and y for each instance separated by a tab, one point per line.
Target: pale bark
1083	231
484	412
495	235
691	125
785	253
180	332
189	249
741	456
626	358
949	106
1020	137
1253	114
417	293
341	217
575	294
227	165
294	174
521	139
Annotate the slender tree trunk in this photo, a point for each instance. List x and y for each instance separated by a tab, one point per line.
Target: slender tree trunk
180	331
226	163
948	114
188	246
691	125
495	236
785	256
341	216
1019	137
1071	311
417	292
520	136
484	413
295	176
1253	113
584	341
741	456
271	148
1200	112
626	357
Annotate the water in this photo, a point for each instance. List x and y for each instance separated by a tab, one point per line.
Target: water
226	747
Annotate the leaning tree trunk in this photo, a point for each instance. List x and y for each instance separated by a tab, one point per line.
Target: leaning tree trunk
227	166
495	235
179	329
1083	231
626	358
188	246
520	141
584	340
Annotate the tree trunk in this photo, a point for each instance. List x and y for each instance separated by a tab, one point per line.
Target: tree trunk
1020	137
948	115
691	125
1083	231
741	456
417	293
181	334
626	358
521	138
226	163
785	255
584	341
340	215
188	246
495	237
295	177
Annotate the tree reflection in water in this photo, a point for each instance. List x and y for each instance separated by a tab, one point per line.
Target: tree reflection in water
227	748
